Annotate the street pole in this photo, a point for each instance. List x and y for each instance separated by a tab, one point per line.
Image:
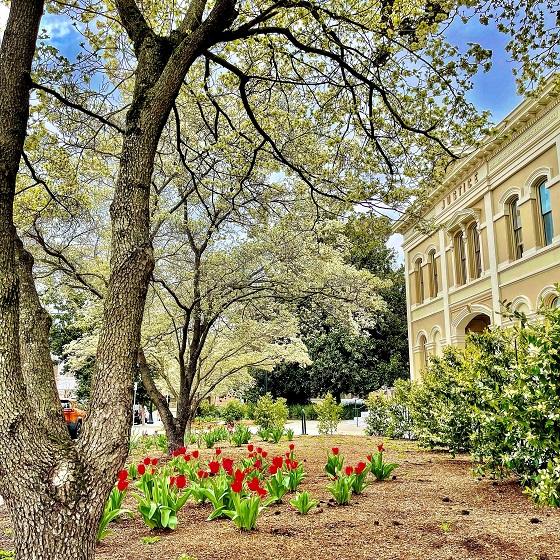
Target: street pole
134	400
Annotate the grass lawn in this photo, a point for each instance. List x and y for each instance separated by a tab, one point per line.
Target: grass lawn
434	509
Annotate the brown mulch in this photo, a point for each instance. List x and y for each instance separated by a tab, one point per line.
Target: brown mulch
434	509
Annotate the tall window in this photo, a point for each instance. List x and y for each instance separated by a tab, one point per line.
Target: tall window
423	352
516	231
434	281
419	281
546	214
460	259
474	241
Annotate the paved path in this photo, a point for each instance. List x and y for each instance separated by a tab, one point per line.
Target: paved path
346	427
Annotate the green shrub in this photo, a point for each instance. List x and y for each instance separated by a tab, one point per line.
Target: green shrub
269	413
378	418
328	414
295	410
233	411
520	431
389	415
207	410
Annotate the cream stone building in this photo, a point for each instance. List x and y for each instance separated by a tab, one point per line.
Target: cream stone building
496	236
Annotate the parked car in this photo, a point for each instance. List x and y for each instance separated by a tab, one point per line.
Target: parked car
73	416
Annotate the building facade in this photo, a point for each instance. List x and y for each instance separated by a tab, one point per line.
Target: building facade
495	233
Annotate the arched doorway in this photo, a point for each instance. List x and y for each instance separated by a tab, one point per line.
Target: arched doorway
478	324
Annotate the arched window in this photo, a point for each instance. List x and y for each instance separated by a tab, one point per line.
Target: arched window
546	214
419	278
515	227
423	351
555	302
434	281
460	259
437	343
474	243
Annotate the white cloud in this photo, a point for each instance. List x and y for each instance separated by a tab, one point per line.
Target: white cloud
56	26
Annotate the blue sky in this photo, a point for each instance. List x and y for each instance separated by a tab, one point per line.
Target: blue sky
494	91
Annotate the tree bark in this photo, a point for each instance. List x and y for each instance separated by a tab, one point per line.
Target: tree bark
36	363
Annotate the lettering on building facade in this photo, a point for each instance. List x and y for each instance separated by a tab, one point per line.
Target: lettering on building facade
456	193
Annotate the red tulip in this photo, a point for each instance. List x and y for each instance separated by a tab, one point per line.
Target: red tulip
181	481
277	462
264	454
123	475
195	453
122	485
250	448
257	464
227	464
236	485
380	448
253	484
218	451
261	492
239	475
141	469
187	458
360	467
335	450
155	462
348	470
293	465
147	461
292	446
273	469
259	450
182	450
214	467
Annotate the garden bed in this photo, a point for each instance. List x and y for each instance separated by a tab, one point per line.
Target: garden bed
434	509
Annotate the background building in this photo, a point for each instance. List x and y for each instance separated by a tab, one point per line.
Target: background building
496	233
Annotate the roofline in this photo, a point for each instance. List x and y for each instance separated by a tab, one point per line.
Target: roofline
491	145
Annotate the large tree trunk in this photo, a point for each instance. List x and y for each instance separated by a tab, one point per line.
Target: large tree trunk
58	506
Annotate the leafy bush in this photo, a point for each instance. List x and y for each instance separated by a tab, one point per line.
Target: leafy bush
233	411
328	414
499	398
295	410
207	410
389	415
269	413
520	426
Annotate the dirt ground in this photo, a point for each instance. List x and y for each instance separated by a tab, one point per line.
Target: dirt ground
435	508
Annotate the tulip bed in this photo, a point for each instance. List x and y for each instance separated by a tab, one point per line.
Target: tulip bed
236	489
